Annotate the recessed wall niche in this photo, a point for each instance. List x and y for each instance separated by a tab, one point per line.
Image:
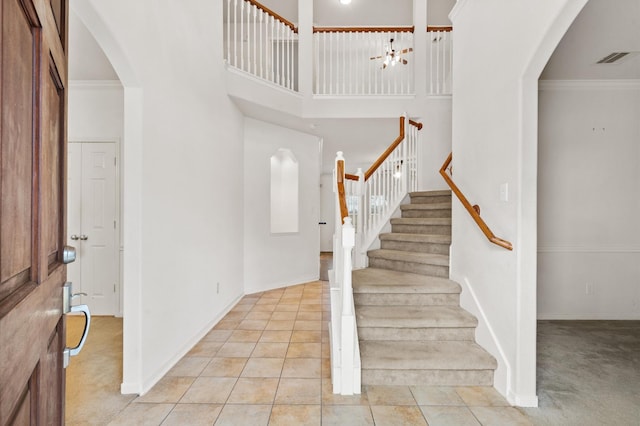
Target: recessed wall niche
284	192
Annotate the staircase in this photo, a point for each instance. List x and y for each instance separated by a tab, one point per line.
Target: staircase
411	327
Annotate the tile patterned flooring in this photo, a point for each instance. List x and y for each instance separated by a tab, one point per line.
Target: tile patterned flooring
267	363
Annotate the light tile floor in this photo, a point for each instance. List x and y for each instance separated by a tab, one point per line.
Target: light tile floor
267	363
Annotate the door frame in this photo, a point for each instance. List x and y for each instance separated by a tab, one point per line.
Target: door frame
119	249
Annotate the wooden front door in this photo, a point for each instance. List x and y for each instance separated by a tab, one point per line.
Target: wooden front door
33	82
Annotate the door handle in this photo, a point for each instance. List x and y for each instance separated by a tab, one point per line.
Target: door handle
84	237
74	237
69	352
66	308
68	254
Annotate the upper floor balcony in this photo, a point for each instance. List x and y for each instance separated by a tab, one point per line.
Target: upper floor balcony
309	70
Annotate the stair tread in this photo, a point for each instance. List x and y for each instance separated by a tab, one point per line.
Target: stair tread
416	238
437	193
425	355
414	316
374	280
421	221
430	206
408	256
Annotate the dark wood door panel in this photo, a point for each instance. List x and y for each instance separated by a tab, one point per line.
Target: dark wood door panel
52	173
19	41
33	78
26	339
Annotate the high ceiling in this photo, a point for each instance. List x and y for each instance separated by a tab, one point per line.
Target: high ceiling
603	27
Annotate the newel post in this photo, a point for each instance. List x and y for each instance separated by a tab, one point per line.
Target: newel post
404	153
360	257
337	235
348	335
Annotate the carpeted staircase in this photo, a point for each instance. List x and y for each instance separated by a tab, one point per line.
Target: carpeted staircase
411	327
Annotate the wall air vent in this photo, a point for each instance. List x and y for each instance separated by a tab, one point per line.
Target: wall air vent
613	57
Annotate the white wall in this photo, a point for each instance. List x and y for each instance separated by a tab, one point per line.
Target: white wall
588	209
435	143
277	260
96	110
495	142
363	13
183	176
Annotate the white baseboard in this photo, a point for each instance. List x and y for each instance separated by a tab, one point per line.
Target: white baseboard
144	387
522	401
628	316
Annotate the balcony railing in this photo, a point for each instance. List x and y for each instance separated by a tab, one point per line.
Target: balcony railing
261	43
347	61
363	61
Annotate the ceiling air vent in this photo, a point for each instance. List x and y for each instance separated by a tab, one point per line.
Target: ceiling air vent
613	57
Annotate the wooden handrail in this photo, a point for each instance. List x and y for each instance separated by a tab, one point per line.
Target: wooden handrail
444	28
474	211
270	12
386	153
416	124
344	211
363	29
351	177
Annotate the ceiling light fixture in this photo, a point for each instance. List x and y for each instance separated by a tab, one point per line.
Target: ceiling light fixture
345	1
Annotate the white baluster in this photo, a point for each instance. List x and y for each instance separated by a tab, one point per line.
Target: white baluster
325	60
241	41
236	41
293	47
288	47
228	57
333	86
271	70
450	64
255	40
261	44
372	63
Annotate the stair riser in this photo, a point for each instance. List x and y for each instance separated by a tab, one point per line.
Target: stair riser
427	377
415	247
385	299
421	229
430	199
415	334
415	268
426	213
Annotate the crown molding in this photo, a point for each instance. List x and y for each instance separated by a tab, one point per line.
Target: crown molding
588	85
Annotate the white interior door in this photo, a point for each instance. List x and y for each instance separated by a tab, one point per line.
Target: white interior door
96	234
74	226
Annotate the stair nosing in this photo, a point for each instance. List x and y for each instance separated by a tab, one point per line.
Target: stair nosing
410	257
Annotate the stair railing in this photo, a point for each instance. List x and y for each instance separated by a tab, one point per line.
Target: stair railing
447	171
345	352
378	192
261	42
367	199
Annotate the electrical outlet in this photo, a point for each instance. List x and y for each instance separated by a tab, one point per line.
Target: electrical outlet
588	288
217	288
